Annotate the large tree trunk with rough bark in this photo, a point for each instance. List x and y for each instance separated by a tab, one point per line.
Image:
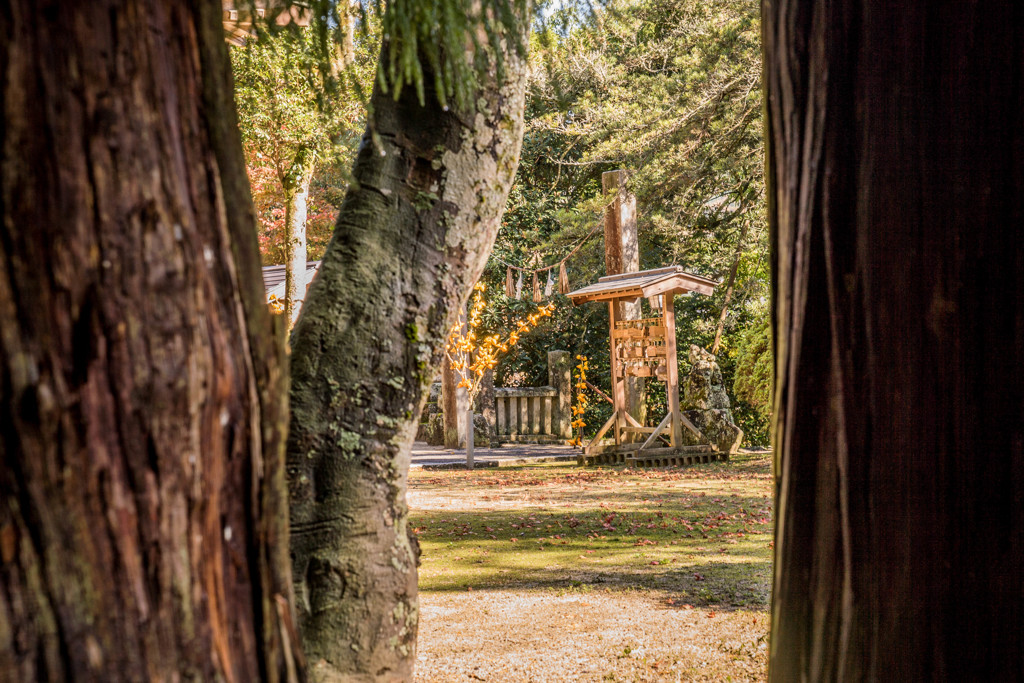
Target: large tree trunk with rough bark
896	168
411	239
143	520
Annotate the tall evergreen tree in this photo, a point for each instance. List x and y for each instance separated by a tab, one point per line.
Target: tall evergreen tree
896	180
142	493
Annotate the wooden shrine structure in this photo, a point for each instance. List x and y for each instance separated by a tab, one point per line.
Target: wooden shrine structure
645	347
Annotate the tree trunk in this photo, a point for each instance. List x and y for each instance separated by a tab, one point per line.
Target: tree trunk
622	255
143	522
896	175
411	239
296	195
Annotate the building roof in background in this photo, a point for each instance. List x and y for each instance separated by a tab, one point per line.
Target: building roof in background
647	283
273	278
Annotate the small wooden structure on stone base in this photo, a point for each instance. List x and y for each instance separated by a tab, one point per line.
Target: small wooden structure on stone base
645	348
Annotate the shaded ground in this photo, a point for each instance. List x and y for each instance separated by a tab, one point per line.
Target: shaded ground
424	455
554	572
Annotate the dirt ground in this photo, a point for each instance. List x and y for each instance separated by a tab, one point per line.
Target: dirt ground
517	636
508	593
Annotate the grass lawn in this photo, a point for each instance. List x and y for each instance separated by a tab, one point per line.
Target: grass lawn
695	539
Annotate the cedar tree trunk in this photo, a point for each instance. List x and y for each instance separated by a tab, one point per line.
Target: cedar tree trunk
896	168
411	239
143	523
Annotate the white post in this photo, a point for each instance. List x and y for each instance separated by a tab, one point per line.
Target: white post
469	437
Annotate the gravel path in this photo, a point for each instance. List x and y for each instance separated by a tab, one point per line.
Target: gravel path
547	636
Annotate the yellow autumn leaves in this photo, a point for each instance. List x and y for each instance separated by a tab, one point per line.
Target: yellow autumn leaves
580	406
472	356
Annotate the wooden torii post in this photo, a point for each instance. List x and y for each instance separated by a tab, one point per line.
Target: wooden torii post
645	347
621	256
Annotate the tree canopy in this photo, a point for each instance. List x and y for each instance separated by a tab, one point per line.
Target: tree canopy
669	90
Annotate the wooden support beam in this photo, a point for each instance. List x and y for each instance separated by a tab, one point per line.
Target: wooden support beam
618	381
599	392
672	380
601	432
657	430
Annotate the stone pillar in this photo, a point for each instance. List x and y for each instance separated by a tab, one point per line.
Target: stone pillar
560	377
485	404
449	404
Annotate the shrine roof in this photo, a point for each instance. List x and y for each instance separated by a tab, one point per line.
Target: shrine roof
646	283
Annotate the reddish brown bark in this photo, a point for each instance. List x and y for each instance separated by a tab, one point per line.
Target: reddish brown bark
896	168
142	528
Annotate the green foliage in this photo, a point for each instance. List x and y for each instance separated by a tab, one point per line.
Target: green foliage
455	41
755	367
458	39
288	115
297	126
670	90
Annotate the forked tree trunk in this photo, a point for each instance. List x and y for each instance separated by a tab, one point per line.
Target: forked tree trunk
411	239
896	168
143	523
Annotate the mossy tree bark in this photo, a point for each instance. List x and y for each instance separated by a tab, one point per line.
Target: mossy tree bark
896	175
143	520
411	239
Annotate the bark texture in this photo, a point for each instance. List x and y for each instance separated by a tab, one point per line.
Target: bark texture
143	523
296	192
896	168
411	240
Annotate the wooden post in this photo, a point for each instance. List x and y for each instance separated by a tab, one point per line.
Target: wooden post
465	405
470	436
454	403
622	255
672	381
618	381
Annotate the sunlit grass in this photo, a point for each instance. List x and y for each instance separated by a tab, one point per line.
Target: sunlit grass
701	535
